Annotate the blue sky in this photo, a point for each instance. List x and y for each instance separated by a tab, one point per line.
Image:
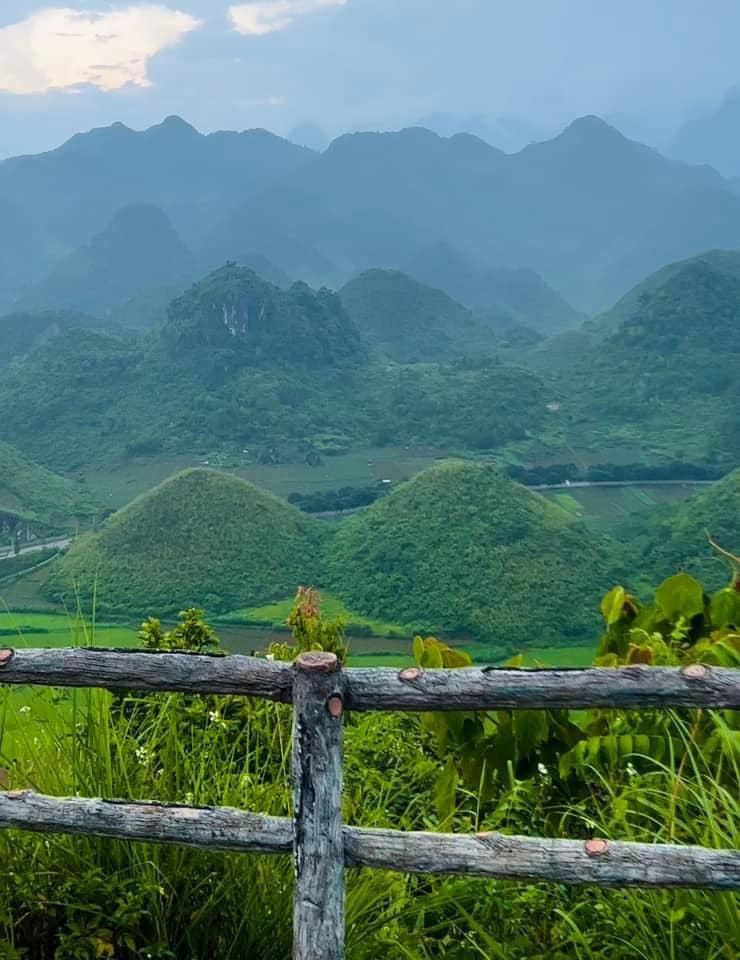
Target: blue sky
516	69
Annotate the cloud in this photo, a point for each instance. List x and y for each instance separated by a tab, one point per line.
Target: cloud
258	17
64	49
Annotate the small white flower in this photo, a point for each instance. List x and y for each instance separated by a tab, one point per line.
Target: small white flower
542	769
142	755
25	709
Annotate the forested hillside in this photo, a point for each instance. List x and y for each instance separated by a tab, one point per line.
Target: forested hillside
502	297
30	492
411	322
669	372
236	364
677	537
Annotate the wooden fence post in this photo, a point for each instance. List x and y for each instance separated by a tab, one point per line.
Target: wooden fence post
318	913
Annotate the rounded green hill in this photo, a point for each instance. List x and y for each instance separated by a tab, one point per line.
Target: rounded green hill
201	538
464	549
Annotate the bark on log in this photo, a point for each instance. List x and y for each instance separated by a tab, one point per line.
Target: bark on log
576	863
140	670
365	689
597	862
318	916
487	688
209	828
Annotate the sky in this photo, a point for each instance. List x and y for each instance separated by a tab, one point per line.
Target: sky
511	70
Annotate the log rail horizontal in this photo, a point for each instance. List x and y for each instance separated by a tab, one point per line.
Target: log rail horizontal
492	855
321	692
368	688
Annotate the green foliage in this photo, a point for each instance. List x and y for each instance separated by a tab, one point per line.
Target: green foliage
191	635
201	537
311	631
462	549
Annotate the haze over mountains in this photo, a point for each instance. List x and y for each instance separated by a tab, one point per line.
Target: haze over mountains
588	214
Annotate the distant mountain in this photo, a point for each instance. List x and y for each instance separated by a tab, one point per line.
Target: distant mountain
411	322
21	332
713	139
460	548
503	298
138	257
251	322
201	538
69	194
590	211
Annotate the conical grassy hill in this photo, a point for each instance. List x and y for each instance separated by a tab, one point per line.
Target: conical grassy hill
464	549
202	538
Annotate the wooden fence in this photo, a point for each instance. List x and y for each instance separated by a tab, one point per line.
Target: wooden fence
321	691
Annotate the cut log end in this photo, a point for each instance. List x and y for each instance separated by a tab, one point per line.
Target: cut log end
597	848
696	671
409	674
6	655
335	706
317	661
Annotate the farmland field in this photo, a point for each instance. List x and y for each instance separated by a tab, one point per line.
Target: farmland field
603	507
118	485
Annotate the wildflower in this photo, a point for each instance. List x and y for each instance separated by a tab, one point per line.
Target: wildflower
142	755
25	709
542	769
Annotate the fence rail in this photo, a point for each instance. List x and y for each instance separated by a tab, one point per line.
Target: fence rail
322	846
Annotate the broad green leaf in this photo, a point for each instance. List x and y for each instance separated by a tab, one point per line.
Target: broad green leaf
445	791
680	596
612	606
418	650
431	658
454	659
725	608
530	728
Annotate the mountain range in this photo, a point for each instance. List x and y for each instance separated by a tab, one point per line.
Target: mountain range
590	213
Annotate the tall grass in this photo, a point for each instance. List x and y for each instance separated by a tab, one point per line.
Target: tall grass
68	898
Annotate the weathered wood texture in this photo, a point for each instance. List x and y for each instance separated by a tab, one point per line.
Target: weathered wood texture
318	914
138	670
577	863
411	690
494	856
210	828
484	688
